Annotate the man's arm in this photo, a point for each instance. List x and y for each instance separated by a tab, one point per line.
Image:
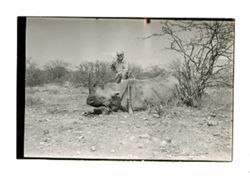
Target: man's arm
113	66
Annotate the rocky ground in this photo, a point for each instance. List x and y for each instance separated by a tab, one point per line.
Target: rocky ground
56	126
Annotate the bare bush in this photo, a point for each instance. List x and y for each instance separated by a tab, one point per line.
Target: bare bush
100	71
33	76
206	51
56	71
59	72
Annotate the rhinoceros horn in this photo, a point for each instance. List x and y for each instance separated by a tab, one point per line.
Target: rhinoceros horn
90	84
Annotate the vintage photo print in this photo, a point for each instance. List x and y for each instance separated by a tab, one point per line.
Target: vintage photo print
125	88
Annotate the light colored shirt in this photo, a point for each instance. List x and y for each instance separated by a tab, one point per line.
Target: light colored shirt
120	66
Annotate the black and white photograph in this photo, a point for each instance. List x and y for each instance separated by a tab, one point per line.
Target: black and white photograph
157	89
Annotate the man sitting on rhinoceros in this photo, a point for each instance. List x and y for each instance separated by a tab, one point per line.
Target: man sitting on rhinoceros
120	67
147	92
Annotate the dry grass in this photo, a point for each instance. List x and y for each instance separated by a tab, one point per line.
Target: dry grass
32	100
219	98
55	126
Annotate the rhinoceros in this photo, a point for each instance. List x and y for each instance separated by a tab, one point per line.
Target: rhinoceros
143	93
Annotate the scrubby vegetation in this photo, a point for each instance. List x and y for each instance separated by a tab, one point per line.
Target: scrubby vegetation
205	49
34	75
60	72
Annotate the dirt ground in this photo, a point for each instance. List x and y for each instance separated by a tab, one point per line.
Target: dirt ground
56	126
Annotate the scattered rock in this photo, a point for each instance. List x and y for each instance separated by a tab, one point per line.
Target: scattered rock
163	148
212	123
140	146
144	136
213	115
93	148
45	132
52	110
163	143
156	140
81	137
169	140
130	156
156	116
62	111
223	116
131	138
216	134
137	126
75	110
41	143
153	123
200	123
45	141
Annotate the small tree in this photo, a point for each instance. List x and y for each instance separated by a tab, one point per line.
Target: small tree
100	72
205	49
56	71
33	76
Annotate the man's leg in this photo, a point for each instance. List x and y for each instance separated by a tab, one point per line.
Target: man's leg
118	78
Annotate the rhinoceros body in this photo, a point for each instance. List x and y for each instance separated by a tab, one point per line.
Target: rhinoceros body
143	93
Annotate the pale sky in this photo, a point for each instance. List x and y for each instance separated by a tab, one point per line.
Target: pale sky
75	40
